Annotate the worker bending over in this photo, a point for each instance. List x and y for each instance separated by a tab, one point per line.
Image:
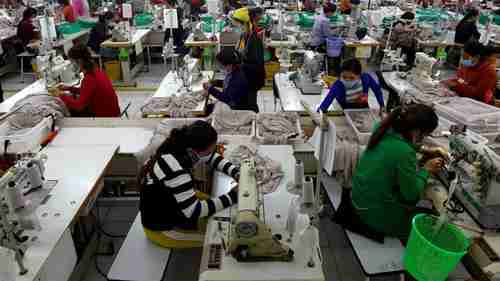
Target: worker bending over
351	91
96	96
235	92
170	207
388	183
476	78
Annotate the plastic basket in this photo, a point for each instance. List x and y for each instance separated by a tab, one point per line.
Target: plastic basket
469	112
27	140
334	46
69	28
430	258
363	132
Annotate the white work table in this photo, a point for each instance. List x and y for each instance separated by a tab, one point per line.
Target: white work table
139	35
79	171
34	88
290	42
276	207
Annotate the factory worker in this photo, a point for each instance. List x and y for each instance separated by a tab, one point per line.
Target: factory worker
388	182
26	31
81	8
251	48
96	96
68	11
467	28
476	78
403	36
321	29
170	206
351	90
99	33
235	92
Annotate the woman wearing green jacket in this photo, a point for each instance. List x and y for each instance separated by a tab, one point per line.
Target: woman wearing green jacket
388	183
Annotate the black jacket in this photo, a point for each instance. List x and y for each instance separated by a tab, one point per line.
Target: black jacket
253	61
466	31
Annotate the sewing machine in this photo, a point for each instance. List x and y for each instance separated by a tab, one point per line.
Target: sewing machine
421	75
22	190
121	32
251	239
392	60
56	70
307	79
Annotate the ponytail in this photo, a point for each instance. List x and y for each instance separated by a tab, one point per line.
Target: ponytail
385	125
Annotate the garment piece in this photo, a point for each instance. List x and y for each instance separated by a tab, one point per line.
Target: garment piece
26	31
345	98
235	92
168	189
174	106
276	128
19	14
96	94
466	31
69	13
233	122
268	172
387	185
479	82
321	30
31	110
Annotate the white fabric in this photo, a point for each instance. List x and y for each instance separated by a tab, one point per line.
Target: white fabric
276	128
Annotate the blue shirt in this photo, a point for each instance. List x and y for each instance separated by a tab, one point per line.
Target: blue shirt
321	30
235	92
338	91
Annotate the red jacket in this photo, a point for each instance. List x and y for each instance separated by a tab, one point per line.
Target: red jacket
96	94
480	81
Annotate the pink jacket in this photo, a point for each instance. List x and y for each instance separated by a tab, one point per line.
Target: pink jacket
81	8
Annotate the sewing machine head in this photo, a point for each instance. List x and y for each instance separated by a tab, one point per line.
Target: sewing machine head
251	239
121	32
424	63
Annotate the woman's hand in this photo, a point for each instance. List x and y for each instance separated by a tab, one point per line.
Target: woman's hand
433	166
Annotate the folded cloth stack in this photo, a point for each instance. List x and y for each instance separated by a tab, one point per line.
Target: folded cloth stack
347	153
277	128
31	110
269	172
232	122
174	106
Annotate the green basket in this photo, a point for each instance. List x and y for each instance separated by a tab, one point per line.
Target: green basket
219	26
265	21
143	19
430	258
86	24
69	28
305	20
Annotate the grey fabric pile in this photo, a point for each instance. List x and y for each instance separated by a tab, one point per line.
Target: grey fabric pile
31	110
174	106
277	128
269	172
347	153
233	122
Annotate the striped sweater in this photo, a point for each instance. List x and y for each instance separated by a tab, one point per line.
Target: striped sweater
168	198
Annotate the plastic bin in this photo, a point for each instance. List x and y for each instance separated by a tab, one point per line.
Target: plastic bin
113	70
430	258
363	131
27	140
474	114
445	124
143	19
258	132
69	28
86	23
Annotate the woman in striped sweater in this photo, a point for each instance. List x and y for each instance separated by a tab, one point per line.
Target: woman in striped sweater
170	207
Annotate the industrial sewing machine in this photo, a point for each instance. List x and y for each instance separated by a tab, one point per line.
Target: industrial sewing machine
57	70
251	239
392	60
121	32
421	75
307	79
22	190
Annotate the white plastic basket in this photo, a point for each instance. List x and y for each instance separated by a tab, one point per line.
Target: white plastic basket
363	133
445	124
27	140
474	114
260	137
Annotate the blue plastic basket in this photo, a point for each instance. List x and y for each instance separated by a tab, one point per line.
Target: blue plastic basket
334	46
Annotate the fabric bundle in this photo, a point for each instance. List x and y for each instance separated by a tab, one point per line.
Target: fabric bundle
232	122
268	171
277	128
347	153
174	106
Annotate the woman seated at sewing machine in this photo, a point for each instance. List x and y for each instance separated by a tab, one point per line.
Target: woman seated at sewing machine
235	92
170	207
476	78
403	36
26	31
351	90
96	96
387	183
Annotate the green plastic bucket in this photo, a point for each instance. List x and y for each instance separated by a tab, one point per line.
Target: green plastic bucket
143	19
430	258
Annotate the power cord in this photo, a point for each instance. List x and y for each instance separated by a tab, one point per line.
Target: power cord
99	225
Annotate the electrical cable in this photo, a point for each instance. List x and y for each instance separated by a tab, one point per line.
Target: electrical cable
99	225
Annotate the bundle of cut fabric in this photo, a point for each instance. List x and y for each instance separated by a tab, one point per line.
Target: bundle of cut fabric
31	110
269	172
174	106
277	128
233	122
347	153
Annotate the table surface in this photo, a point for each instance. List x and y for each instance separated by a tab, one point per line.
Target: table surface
368	41
191	43
139	34
34	88
66	38
276	203
74	186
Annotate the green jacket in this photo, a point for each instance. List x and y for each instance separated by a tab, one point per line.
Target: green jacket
387	185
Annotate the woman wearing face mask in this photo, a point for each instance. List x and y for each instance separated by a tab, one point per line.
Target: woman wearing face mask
388	183
95	97
170	207
351	91
476	78
235	92
251	49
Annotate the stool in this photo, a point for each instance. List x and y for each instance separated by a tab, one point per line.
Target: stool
23	55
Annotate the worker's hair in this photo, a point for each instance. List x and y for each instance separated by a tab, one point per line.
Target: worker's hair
255	12
29	13
471	13
474	48
199	135
408	16
82	54
329	8
405	119
229	56
352	65
66	2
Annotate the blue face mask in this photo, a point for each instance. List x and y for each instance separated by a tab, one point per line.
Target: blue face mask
468	63
237	29
350	84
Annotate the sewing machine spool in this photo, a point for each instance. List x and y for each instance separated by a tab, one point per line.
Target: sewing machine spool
299	174
34	175
14	197
308	193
